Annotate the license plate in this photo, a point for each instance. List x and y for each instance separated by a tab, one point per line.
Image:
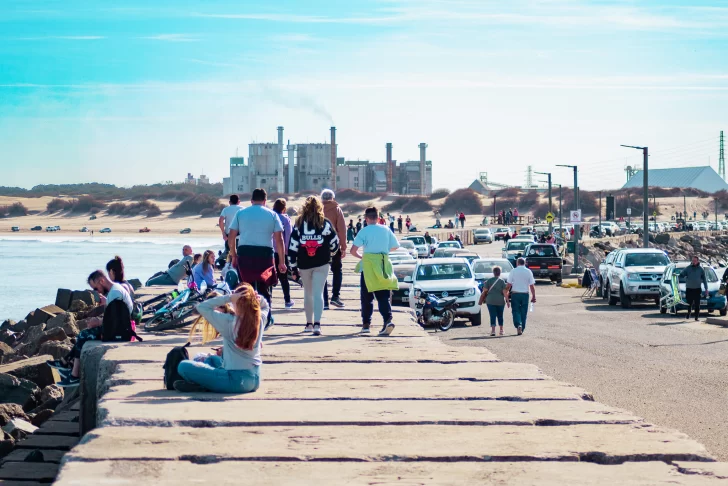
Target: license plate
405	299
703	302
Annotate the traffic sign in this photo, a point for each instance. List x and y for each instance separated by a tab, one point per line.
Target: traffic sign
629	211
654	213
575	216
549	217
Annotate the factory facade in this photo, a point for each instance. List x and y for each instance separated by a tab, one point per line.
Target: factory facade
311	167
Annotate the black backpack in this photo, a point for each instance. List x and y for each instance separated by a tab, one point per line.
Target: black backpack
116	326
174	358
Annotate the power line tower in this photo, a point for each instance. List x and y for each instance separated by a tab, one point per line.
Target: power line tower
529	177
721	158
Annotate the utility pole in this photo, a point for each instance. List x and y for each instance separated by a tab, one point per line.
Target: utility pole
494	210
716	214
561	229
645	195
600	213
551	208
685	214
721	158
577	232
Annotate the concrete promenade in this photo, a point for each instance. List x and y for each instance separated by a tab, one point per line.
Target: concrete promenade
347	409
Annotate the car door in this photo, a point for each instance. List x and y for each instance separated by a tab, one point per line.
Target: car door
666	284
614	271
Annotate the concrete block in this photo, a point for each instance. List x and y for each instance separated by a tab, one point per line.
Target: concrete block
59	428
19	424
135	283
17	390
63	298
20	455
718	321
65	321
33	369
55	442
29	471
87	296
38	317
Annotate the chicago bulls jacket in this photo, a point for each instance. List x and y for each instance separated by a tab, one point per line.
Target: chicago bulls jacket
312	247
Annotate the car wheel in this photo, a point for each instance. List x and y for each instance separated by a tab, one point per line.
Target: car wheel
663	310
476	319
723	312
448	318
657	301
604	288
624	299
612	300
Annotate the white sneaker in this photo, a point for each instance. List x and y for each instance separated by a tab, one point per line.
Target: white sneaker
316	329
387	329
308	328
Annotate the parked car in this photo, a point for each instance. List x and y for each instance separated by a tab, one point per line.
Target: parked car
185	231
482	235
410	247
403	272
636	274
36	228
714	302
423	250
83	230
468	255
483	268
447	252
145	230
544	261
105	230
604	268
449	277
501	231
93	217
449	244
397	258
51	228
526	230
15	229
514	249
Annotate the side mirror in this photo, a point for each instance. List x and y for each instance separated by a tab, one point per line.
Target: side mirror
519	255
408	278
618	265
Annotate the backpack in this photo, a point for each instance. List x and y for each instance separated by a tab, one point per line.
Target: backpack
231	278
174	358
116	326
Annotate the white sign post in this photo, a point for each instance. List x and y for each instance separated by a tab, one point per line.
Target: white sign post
575	216
629	211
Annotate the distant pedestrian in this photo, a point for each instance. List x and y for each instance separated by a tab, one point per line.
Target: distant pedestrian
399	224
494	290
462	220
335	215
456	218
226	219
520	281
358	226
350	231
391	221
377	276
507	236
694	275
279	207
408	223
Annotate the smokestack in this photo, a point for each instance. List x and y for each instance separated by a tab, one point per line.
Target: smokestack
390	169
333	158
291	176
423	169
279	165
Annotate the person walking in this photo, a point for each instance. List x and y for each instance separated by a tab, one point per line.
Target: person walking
507	237
377	276
335	215
358	226
694	278
399	224
494	291
259	229
462	220
520	281
390	217
408	223
226	219
315	234
279	207
350	231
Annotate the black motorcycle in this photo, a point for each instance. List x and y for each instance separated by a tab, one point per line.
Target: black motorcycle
432	311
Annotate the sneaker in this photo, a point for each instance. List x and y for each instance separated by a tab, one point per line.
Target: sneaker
270	324
337	302
365	330
308	328
317	329
290	304
183	386
520	331
326	307
387	329
69	381
58	365
688	315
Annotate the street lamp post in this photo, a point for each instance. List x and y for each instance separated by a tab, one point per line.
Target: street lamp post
576	268
645	196
561	228
494	209
551	209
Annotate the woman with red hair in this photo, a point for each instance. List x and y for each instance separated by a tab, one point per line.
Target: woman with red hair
242	335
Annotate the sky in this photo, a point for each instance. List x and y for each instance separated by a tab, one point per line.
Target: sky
135	92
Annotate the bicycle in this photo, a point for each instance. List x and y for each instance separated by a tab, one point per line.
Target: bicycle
176	313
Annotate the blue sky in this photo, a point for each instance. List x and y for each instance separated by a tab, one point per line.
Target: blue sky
124	92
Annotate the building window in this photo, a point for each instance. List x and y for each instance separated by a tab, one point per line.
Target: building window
262	181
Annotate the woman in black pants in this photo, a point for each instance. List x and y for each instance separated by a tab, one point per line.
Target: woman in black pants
279	207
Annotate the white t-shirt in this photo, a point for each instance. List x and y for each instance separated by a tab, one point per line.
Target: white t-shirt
521	278
118	292
229	214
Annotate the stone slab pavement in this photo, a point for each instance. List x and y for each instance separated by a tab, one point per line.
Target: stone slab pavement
349	409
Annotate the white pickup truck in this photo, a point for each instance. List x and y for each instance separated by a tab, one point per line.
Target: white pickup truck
636	274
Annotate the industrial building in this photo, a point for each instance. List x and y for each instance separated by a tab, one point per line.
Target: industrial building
702	178
310	167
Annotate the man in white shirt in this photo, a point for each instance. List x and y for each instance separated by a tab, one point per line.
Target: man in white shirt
226	219
520	281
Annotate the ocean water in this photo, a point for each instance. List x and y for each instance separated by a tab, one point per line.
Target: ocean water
32	269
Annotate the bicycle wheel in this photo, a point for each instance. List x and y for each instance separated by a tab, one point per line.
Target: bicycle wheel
153	323
180	317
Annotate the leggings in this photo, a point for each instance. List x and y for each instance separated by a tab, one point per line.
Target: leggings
215	378
313	292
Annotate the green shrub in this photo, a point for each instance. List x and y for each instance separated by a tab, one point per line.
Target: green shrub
197	204
405	204
439	194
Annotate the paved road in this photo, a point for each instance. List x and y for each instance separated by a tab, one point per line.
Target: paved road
670	371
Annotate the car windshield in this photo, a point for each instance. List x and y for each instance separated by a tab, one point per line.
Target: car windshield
709	274
503	230
444	271
407	244
645	260
487	266
517	245
403	271
542	251
417	240
449	244
482	230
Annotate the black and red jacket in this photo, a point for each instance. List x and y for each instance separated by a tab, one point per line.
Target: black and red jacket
312	247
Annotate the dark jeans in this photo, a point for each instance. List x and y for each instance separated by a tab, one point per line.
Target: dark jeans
89	334
163	279
283	279
496	313
692	297
338	275
519	304
384	301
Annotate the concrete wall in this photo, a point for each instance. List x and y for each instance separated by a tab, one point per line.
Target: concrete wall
263	161
314	166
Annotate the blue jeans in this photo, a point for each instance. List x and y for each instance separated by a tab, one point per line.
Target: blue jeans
496	312
519	304
214	377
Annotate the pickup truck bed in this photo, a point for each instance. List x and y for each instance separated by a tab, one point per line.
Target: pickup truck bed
544	261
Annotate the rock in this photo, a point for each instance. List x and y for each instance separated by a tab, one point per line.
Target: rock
32	369
135	283
78	306
51	391
662	238
57	349
672	243
686	238
19	424
41	417
9	337
65	321
38	317
32	334
63	298
82	324
20	326
5	350
18	390
97	311
7	324
6	446
9	411
85	295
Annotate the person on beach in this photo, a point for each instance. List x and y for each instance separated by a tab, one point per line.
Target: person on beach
350	232
399	224
358	226
462	220
115	269
238	370
259	229
314	243
408	223
333	212
377	276
226	219
520	281
494	292
279	207
694	275
176	272
205	270
69	367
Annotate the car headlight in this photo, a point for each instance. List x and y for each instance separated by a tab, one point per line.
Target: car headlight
406	292
469	293
633	276
418	292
